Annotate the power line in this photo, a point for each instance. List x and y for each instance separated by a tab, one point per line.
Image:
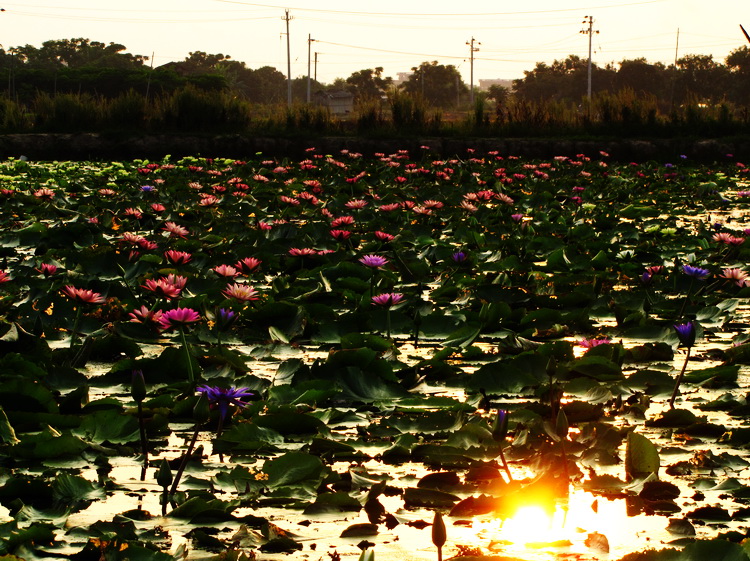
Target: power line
140	21
442	14
431	56
433	27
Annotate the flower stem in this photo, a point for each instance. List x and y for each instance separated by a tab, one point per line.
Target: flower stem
144	442
505	465
191	374
219	431
687	297
74	334
185	459
679	379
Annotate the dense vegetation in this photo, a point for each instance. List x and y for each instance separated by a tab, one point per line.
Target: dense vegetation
81	85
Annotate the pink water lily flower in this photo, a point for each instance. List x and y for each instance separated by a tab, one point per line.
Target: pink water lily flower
737	275
168	287
341	235
131	212
384	236
389	207
356	204
44	194
342	220
388	299
226	271
83	295
177	257
47	269
594	342
302	252
247	265
240	292
175	230
178	317
146	316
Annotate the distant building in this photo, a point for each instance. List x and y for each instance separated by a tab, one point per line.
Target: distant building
402	77
484	84
339	102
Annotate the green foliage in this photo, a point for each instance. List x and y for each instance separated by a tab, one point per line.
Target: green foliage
66	112
192	108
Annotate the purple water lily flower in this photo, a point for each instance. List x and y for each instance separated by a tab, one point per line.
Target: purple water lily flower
374	261
459	257
500	426
222	398
686	333
695	272
225	318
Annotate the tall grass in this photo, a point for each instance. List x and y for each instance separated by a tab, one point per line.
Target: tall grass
191	110
66	112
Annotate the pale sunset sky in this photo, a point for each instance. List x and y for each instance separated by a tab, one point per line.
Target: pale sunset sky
349	35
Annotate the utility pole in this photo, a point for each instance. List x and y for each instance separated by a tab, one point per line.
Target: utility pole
148	82
674	70
590	32
315	77
472	50
287	18
309	42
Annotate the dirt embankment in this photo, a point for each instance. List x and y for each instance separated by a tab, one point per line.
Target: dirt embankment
92	146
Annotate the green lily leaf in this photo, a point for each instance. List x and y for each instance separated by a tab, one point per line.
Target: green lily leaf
293	468
109	426
597	367
12	537
72	489
199	509
248	438
333	502
641	457
415	497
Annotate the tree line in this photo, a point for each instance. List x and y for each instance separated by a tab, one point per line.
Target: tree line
693	79
92	67
80	84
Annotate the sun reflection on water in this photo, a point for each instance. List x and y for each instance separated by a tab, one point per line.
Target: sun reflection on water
583	524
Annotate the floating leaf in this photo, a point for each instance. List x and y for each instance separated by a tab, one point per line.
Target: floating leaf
293	468
333	502
360	530
641	457
428	498
109	427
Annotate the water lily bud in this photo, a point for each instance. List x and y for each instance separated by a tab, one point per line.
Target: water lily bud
202	410
561	427
164	474
439	534
138	386
551	367
500	426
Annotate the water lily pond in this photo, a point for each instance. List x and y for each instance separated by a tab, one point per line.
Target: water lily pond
384	356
